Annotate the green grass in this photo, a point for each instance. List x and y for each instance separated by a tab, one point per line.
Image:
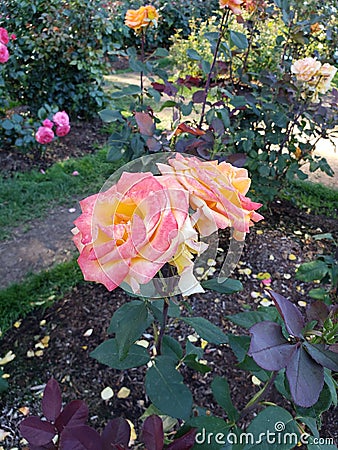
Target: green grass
314	196
29	195
37	290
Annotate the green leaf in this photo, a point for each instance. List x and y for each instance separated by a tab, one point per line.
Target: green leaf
332	385
239	40
318	294
208	427
205	66
108	353
193	54
193	363
171	348
165	388
128	323
109	115
161	52
7	124
206	330
191	349
221	392
3	382
131	89
284	432
249	318
314	270
229	286
239	345
325	358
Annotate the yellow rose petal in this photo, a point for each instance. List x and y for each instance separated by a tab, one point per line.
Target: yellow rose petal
255	381
259	231
30	354
17	324
302	303
39	353
45	341
107	393
133	435
292	257
123	392
7	358
203	344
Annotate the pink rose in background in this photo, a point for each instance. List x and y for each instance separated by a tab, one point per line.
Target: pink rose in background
13	37
48	123
306	69
4	54
127	233
44	135
62	130
217	194
61	118
4	38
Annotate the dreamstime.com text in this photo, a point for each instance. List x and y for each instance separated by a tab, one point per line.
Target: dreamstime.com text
278	437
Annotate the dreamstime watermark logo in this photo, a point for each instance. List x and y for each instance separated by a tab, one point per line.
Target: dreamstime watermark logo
158	207
276	437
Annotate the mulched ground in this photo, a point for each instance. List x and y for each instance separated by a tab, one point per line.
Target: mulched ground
90	307
65	356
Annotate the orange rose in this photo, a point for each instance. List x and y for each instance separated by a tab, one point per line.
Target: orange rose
234	5
141	18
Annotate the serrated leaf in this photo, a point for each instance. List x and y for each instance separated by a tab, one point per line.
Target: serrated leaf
239	345
305	377
271	419
291	315
322	356
249	318
221	392
268	346
206	330
165	388
229	286
108	353
193	54
314	270
129	323
131	89
239	39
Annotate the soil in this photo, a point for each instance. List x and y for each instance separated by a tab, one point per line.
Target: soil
76	324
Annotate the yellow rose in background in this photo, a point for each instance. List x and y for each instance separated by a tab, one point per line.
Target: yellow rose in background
326	75
234	5
141	18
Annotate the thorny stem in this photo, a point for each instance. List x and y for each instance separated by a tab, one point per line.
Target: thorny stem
208	82
260	396
163	325
245	62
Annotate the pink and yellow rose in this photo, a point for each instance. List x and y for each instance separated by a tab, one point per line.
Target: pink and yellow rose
127	233
217	194
306	69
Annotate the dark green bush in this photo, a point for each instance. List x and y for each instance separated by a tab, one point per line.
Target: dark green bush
60	54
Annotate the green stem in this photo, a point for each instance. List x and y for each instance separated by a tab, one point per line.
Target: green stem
252	404
163	326
207	84
143	38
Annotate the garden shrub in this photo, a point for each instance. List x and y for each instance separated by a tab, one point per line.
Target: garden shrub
60	54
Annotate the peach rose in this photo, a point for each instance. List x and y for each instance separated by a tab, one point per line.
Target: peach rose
141	18
326	75
127	233
306	69
217	194
234	5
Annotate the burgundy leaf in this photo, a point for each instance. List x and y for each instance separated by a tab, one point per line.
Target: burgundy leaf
152	433
145	123
291	315
198	97
74	414
317	311
170	89
306	378
50	446
36	431
323	355
159	87
237	159
153	144
217	126
117	431
268	346
334	348
51	400
185	442
81	437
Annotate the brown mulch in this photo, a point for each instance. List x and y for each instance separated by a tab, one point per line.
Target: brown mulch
90	307
286	230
